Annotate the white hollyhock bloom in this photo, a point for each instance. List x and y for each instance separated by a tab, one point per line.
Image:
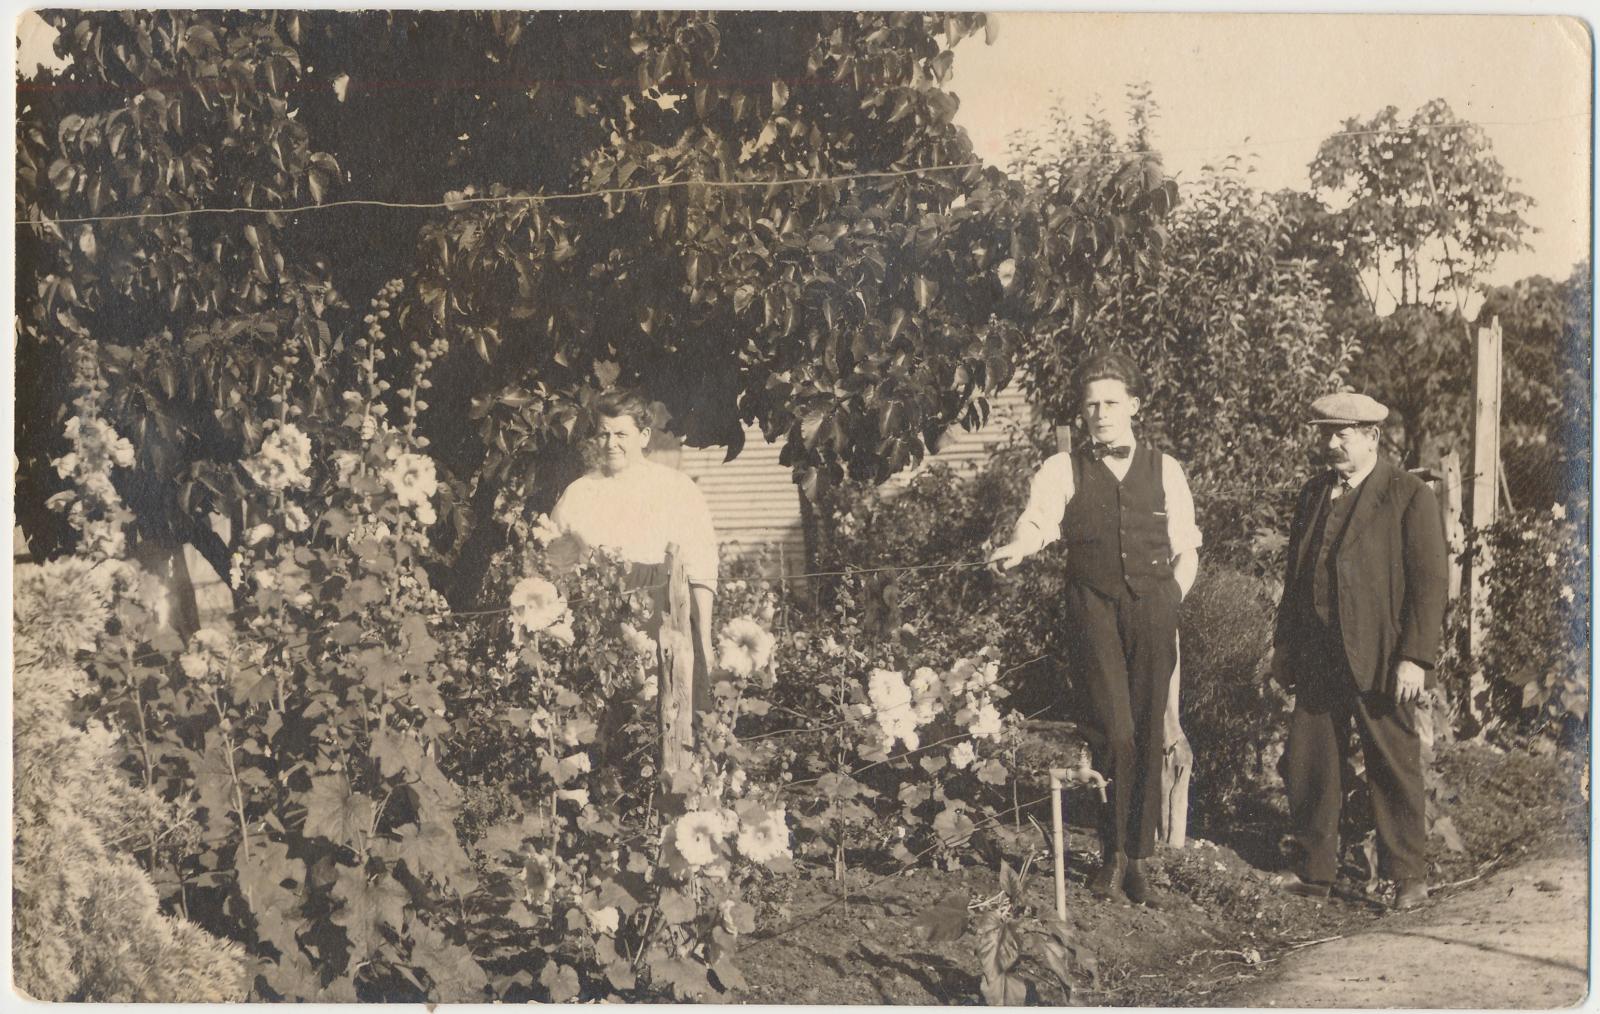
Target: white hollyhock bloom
414	482
765	839
962	755
744	647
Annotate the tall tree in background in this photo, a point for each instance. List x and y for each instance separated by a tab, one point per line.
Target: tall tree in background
1230	331
1546	384
853	316
1419	209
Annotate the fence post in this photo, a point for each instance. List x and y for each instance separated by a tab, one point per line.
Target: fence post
1064	439
675	685
1455	533
1485	471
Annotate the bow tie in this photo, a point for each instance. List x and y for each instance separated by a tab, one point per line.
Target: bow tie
1100	450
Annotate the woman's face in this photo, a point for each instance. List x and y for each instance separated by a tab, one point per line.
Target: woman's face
622	443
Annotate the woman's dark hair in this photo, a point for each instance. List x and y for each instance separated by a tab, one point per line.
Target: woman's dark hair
616	404
1111	366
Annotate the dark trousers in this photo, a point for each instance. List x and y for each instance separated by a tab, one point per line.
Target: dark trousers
1326	700
1124	649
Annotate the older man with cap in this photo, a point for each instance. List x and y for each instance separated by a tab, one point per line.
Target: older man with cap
1358	631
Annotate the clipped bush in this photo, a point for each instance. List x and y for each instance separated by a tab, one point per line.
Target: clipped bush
1235	720
87	923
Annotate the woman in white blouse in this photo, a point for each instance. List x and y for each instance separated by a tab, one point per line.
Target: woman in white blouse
636	508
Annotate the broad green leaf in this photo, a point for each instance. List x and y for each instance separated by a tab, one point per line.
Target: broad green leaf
945	921
370	903
334	812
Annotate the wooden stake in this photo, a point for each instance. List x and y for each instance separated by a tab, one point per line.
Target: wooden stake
675	690
1058	823
1455	532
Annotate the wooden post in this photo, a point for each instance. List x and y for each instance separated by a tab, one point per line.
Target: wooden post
1064	438
675	690
1176	765
1455	532
1485	473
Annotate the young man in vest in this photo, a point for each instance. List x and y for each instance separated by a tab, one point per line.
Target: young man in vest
1125	512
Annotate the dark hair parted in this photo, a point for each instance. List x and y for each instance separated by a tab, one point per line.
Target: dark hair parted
1110	366
616	404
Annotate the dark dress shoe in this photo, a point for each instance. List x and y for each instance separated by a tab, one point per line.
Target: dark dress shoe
1107	881
1307	888
1134	884
1409	894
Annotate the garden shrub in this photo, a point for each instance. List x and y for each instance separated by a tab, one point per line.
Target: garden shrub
1235	721
1535	658
87	921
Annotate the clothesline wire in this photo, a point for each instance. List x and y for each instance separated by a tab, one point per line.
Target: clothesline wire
459	202
787	578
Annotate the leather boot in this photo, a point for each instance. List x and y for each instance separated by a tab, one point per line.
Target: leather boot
1134	884
1107	881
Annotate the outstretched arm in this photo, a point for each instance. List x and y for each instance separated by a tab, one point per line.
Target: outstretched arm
1040	523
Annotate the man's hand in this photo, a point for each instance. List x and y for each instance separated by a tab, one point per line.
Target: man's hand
1005	557
1408	677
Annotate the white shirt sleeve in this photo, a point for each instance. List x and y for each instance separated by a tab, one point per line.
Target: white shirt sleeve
1183	533
1048	494
697	537
564	515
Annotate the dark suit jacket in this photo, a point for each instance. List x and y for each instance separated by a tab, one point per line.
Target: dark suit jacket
1392	576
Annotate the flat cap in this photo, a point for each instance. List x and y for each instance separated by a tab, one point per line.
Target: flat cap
1347	409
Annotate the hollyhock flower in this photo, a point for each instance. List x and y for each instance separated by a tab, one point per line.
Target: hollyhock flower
294	518
536	605
925	690
987	723
744	647
282	462
891	700
765	839
1567	594
1558	512
959	676
414	482
604	920
1550	560
545	531
258	534
962	755
209	652
637	641
698	835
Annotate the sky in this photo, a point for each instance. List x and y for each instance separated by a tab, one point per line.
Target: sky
1287	81
1272	86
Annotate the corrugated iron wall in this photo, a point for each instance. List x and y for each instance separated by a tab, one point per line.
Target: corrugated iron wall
755	504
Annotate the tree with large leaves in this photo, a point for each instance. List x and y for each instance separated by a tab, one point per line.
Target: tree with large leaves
1230	333
622	208
1416	211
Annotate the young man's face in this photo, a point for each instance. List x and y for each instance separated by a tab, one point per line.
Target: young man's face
1108	411
622	443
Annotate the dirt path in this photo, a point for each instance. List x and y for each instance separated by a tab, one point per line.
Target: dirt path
1518	939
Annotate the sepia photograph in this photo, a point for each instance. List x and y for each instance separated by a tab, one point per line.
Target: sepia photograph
651	506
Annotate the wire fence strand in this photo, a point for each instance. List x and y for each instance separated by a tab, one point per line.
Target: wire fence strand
456	203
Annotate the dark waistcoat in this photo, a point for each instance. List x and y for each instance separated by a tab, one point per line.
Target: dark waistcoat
1116	532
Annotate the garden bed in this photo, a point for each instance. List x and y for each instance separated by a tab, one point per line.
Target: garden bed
1221	920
